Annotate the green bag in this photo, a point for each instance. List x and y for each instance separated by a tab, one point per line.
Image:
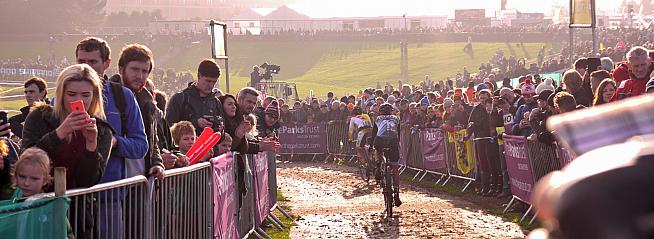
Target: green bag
31	219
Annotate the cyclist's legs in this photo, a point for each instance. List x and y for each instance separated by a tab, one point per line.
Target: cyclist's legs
393	156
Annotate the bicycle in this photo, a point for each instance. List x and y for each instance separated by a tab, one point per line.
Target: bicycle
386	182
366	166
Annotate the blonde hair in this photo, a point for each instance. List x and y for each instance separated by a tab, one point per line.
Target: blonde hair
253	122
84	73
181	128
34	156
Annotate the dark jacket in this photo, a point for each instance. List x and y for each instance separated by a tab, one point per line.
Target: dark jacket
189	106
482	122
16	121
40	132
148	113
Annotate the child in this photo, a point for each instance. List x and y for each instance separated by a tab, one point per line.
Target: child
32	173
225	144
184	137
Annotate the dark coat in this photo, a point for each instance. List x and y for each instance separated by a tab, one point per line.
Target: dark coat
39	131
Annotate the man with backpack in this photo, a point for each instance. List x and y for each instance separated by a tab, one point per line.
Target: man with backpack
198	103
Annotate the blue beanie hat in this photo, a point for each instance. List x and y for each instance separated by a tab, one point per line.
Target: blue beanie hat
482	86
424	100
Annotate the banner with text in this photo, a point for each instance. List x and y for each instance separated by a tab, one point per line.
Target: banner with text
261	187
518	167
29	72
224	197
309	138
433	149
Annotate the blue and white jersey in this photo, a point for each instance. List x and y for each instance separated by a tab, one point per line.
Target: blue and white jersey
387	126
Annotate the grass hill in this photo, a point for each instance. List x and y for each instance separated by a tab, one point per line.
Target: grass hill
342	67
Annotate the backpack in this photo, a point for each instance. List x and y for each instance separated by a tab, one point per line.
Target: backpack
119	101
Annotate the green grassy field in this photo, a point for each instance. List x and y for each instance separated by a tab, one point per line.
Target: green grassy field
341	67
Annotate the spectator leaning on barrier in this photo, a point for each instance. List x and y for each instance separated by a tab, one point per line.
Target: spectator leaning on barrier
36	90
135	64
639	63
80	141
605	92
514	100
245	102
520	122
198	103
538	117
268	125
482	123
129	140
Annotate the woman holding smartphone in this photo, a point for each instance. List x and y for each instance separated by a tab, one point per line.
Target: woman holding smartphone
73	132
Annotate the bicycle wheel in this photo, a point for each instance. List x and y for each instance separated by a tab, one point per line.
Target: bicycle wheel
388	192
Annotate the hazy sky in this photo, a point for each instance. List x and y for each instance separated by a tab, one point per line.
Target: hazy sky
332	8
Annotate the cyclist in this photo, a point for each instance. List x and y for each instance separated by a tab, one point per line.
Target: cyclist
386	135
360	125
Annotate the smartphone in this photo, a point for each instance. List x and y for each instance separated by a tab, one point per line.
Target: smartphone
77	105
3	117
593	64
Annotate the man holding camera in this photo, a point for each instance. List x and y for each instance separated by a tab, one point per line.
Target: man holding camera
198	103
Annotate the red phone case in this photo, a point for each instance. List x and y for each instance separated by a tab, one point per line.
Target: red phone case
77	105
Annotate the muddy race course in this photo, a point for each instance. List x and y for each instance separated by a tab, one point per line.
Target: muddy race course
332	201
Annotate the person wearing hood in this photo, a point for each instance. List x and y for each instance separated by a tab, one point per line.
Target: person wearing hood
269	125
521	119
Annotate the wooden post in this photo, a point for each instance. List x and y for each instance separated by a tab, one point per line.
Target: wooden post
60	190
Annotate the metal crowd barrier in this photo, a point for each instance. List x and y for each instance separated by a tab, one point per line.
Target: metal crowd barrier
181	205
414	157
460	157
110	210
337	141
543	158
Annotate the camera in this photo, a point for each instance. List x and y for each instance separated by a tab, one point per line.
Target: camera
270	69
217	122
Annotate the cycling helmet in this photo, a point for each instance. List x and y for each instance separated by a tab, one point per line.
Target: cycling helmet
386	109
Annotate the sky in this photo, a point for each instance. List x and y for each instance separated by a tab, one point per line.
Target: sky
367	8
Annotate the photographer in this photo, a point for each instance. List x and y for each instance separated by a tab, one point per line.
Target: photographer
198	103
255	77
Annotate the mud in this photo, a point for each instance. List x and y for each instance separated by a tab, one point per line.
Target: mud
333	201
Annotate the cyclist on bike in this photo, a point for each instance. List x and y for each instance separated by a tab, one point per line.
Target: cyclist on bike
360	125
386	135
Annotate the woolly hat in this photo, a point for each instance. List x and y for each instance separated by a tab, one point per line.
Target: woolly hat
482	86
545	85
545	94
350	106
272	109
528	88
447	102
424	100
391	99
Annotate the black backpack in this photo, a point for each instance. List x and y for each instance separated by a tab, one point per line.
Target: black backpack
119	101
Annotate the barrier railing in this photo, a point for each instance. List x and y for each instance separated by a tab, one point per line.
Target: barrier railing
180	203
198	201
460	156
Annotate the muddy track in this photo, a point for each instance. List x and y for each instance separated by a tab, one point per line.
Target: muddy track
332	201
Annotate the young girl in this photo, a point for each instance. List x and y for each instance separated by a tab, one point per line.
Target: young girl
32	173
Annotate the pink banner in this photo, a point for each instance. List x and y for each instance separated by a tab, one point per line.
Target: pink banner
433	149
224	200
261	188
518	166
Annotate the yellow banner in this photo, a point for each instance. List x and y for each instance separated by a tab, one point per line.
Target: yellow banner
465	157
581	13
